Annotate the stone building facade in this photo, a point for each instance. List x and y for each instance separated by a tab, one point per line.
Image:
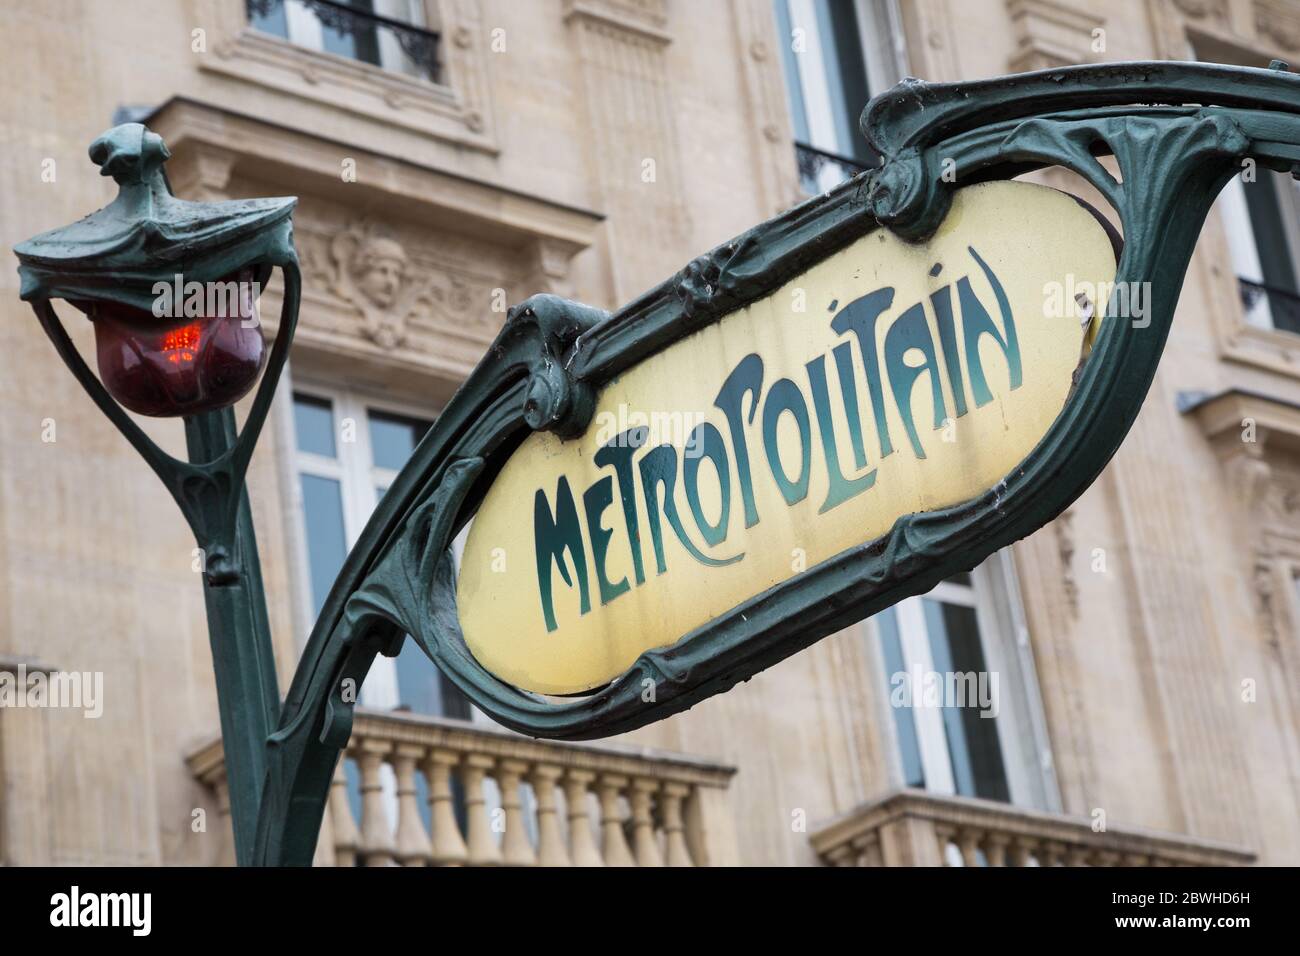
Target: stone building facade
1147	643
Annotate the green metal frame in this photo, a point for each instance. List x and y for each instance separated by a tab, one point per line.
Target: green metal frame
117	254
1191	131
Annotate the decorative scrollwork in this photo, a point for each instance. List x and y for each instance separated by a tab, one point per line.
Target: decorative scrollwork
817	166
903	190
1175	150
708	283
555	401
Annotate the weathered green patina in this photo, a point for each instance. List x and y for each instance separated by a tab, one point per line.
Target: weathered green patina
146	236
1178	132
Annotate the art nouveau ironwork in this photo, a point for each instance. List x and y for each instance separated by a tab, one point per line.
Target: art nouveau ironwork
1177	133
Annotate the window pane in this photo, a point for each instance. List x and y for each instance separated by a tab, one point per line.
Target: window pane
420	685
393	438
272	21
969	725
785	43
1266	212
356	39
322	506
1278	295
904	722
424	689
827	87
846	74
313	422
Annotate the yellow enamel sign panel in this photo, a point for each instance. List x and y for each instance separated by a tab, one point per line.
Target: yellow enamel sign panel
886	380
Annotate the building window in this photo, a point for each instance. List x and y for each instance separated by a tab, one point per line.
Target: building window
836	54
965	712
390	34
349	450
1264	239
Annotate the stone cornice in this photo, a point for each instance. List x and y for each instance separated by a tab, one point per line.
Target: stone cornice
457	108
1221	416
198	133
408	268
1051	33
644	18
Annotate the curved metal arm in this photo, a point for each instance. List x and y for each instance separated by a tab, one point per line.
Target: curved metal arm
242	452
211	495
1173	161
916	125
208	491
170	470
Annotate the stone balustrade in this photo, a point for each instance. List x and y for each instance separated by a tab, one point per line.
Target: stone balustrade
915	828
427	791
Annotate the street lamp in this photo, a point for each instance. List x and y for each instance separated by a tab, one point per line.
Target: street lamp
171	288
170	285
182	361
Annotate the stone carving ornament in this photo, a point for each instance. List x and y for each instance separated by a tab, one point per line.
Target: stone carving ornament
372	271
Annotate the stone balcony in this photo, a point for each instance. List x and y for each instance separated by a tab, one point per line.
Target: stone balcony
915	828
439	792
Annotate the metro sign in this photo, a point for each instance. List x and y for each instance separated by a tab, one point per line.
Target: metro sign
834	411
889	379
830	413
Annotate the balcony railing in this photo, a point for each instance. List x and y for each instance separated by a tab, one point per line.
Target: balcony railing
915	828
820	170
1281	305
356	31
491	797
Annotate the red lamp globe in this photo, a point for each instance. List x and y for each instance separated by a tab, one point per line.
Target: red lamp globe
204	353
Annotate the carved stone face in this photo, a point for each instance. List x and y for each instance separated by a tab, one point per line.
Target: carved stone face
379	271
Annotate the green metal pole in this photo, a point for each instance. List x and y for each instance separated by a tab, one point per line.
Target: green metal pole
119	254
239	631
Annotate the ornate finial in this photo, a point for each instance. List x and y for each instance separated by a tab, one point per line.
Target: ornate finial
129	153
549	328
146	235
